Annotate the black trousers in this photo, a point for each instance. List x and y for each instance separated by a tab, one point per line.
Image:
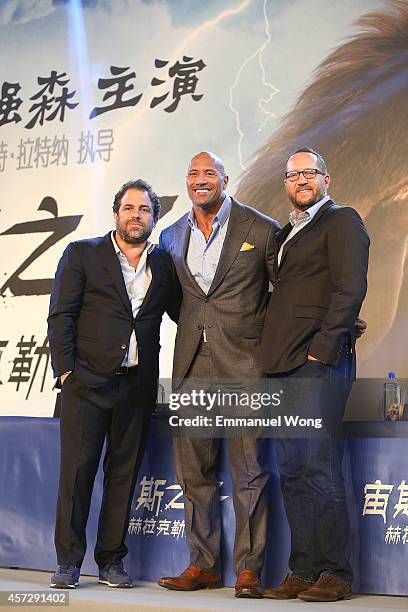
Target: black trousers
88	418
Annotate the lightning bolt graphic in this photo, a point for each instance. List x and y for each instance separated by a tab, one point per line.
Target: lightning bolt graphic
210	24
192	36
262	102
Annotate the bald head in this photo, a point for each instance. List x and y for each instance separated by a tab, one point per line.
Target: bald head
206	181
207	156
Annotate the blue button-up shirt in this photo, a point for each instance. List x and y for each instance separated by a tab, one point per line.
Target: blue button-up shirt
202	256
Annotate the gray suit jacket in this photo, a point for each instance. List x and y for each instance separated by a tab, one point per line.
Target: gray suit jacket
233	311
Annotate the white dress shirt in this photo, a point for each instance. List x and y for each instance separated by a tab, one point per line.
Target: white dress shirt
137	282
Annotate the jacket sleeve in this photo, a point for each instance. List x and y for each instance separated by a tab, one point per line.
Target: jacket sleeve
65	305
163	243
271	250
348	246
174	304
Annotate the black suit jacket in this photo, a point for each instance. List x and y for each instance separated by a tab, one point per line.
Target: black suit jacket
318	290
90	317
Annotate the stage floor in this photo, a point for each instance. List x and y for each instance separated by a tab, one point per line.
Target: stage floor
148	597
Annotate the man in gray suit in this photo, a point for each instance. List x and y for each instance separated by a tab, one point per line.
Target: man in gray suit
223	254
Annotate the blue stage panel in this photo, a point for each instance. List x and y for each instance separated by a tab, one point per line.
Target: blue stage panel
29	464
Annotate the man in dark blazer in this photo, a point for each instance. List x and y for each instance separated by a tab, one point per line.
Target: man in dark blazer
104	321
223	254
320	283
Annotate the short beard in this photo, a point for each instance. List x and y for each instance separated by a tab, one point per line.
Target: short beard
126	237
304	206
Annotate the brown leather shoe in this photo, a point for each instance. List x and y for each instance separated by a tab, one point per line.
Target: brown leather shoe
248	585
327	588
192	579
289	589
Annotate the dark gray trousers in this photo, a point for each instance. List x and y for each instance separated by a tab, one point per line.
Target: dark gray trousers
196	462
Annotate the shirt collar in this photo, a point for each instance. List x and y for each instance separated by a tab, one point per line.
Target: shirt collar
309	213
148	248
221	217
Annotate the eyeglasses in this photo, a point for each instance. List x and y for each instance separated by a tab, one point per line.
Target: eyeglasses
308	173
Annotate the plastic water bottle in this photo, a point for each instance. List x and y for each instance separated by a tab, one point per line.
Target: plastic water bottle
392	397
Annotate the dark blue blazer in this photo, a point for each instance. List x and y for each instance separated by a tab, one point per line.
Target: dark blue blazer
90	316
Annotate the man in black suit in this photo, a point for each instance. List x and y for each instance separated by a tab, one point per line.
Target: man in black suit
320	284
104	321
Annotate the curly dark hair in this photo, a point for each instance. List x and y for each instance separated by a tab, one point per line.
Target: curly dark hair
141	185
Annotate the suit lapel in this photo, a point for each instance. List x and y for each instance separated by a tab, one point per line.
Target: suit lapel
239	225
280	239
304	230
112	264
180	256
154	264
283	234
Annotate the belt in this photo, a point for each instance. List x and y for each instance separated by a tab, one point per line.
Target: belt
126	370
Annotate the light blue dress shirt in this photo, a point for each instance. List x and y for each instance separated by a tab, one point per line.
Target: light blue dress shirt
203	257
298	221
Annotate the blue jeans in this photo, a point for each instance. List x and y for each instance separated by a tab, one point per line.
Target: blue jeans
312	482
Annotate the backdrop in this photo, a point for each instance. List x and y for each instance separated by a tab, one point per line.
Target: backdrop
95	92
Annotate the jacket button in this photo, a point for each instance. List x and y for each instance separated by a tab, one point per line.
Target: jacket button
123	347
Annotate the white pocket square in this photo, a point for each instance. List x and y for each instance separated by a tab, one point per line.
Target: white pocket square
246	246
